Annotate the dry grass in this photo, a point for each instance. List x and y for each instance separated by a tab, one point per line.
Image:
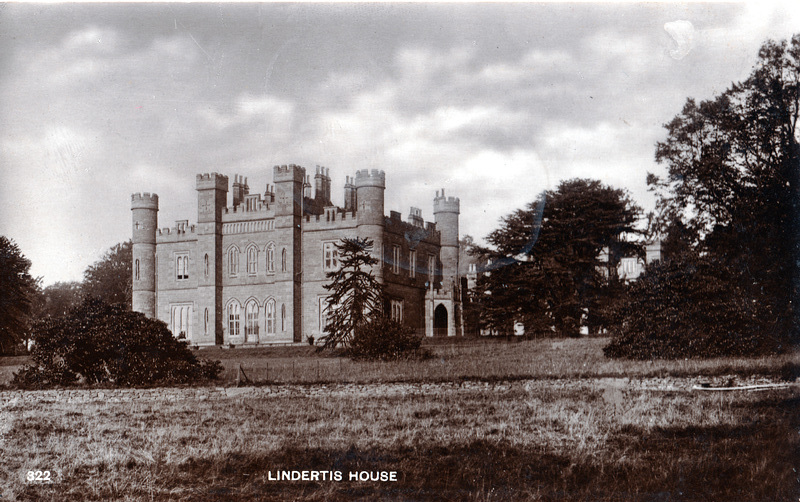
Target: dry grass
483	360
569	433
548	440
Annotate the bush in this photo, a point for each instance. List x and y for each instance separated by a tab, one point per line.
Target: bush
693	308
385	340
100	343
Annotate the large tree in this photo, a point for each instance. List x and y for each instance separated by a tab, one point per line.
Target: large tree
732	190
356	297
545	261
109	279
17	291
58	299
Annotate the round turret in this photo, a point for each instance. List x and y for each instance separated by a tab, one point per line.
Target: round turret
369	212
144	209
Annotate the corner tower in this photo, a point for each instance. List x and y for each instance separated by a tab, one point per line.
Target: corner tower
212	195
289	181
144	208
370	219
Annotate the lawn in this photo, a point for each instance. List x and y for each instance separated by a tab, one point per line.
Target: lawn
540	420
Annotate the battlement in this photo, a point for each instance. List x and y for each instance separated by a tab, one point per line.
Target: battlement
209	181
292	172
373	178
442	204
144	201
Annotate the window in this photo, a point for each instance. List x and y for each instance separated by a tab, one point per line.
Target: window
283	317
271	258
180	320
283	260
205	323
233	261
251	318
330	257
252	263
431	267
412	263
233	318
396	259
205	265
397	310
136	270
182	266
271	317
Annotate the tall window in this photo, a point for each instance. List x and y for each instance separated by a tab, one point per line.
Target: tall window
283	260
205	265
205	322
412	263
251	317
233	318
180	320
182	266
397	310
252	263
283	317
271	317
396	259
330	257
271	258
136	270
233	261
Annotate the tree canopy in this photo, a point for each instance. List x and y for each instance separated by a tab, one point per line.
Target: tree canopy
732	188
109	279
545	267
17	292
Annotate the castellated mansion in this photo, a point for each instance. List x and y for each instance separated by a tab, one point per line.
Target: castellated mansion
252	272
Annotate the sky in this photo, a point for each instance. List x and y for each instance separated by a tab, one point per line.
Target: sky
491	102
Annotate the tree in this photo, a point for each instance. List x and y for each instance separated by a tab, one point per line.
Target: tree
355	295
109	279
58	299
733	183
101	343
17	291
545	264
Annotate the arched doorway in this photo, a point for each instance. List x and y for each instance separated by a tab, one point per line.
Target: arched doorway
440	321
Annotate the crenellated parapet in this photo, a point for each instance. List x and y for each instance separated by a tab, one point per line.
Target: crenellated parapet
212	181
370	178
144	201
292	172
442	204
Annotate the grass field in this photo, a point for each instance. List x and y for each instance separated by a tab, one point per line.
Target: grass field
556	430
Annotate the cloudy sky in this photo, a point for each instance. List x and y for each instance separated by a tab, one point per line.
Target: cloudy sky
493	102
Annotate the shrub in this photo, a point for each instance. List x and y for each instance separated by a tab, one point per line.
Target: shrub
693	308
385	340
100	343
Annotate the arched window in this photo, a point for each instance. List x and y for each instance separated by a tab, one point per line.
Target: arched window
233	261
251	316
271	317
271	258
233	318
283	317
136	270
283	260
182	266
205	265
205	322
252	263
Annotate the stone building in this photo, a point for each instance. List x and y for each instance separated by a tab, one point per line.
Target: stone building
252	272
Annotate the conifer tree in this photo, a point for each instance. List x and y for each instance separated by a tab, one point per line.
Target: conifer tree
356	296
